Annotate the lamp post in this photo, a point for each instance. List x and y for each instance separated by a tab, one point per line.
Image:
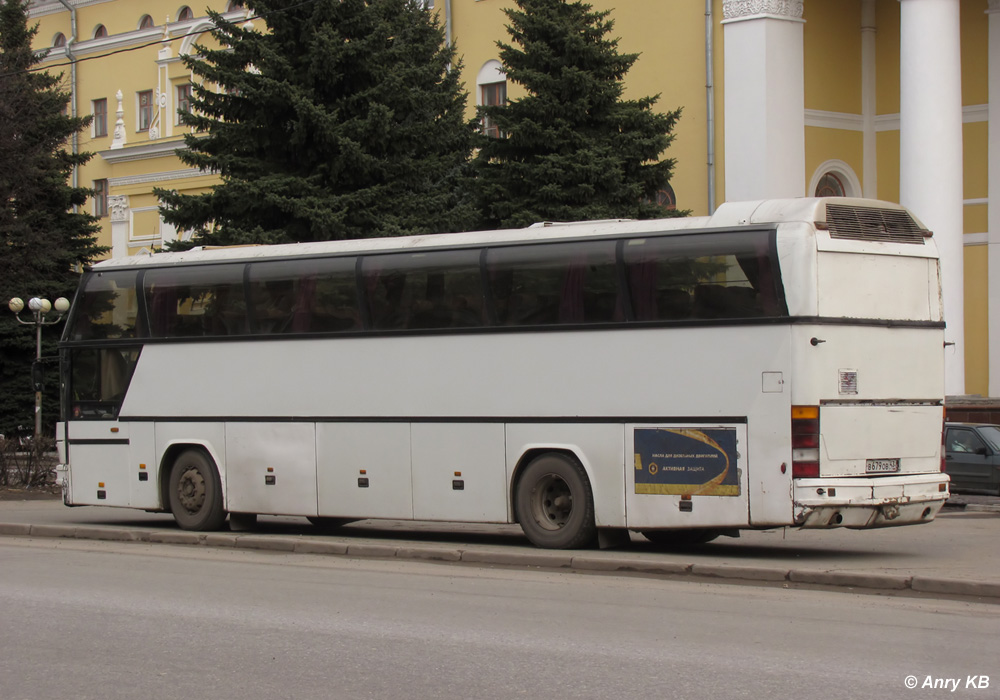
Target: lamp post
39	307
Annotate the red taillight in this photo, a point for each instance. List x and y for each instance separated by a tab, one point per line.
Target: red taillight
805	442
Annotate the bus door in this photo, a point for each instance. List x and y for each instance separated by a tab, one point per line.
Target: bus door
98	444
686	476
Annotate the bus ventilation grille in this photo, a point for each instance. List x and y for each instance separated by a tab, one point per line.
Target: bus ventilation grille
870	224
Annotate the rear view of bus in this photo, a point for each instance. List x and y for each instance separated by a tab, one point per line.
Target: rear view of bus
867	367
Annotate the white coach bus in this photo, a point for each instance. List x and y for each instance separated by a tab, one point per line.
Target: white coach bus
779	363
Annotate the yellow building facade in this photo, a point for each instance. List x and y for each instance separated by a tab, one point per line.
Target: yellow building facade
781	98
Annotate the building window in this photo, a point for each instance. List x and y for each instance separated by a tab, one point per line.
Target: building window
145	109
666	198
146	22
183	99
830	186
185	14
100	117
492	94
100	198
100	31
59	41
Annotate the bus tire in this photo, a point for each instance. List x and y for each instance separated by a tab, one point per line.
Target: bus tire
554	504
681	538
195	491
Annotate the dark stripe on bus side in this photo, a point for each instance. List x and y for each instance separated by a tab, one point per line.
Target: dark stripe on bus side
566	328
534	420
96	441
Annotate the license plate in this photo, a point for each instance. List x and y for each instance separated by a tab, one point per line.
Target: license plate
881	466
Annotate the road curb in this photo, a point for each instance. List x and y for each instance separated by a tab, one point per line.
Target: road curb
988	591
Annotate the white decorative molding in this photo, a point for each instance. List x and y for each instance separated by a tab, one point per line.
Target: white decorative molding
148	178
118	206
994	6
746	9
975	239
834	120
970	115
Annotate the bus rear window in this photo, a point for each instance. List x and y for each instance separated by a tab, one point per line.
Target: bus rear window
106	308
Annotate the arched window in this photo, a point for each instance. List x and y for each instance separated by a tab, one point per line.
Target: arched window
146	22
492	90
834	178
59	40
100	31
830	186
666	198
184	14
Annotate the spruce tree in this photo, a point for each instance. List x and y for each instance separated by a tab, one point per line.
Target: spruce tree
335	120
42	239
571	148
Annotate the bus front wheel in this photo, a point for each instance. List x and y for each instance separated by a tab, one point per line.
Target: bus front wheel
196	492
554	504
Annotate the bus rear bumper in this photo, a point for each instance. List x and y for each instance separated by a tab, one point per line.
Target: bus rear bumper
862	503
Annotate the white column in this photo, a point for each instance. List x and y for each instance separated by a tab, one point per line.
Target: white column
869	174
993	274
930	151
765	100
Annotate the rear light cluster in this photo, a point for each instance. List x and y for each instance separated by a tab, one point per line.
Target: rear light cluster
805	442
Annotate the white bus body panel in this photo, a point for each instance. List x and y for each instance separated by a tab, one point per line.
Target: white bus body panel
271	468
99	452
378	452
458	472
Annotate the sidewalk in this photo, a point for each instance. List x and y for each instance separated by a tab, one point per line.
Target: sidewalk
955	556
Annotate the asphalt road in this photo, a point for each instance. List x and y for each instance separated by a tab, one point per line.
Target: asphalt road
95	620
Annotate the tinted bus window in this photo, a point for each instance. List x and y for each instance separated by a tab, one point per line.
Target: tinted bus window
99	378
424	290
106	308
555	284
304	296
195	301
716	276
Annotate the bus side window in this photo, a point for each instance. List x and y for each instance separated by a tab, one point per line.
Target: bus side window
424	291
107	307
304	296
196	301
99	378
553	284
713	276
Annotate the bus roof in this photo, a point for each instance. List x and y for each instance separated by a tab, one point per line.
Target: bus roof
728	215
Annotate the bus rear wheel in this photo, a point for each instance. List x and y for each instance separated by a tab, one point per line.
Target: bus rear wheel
195	491
554	504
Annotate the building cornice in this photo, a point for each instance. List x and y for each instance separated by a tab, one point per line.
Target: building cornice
738	10
157	177
145	151
994	6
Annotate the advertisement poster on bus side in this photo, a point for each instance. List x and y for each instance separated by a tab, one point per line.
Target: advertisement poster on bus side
686	461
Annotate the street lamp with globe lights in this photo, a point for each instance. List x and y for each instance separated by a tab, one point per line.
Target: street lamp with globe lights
39	307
